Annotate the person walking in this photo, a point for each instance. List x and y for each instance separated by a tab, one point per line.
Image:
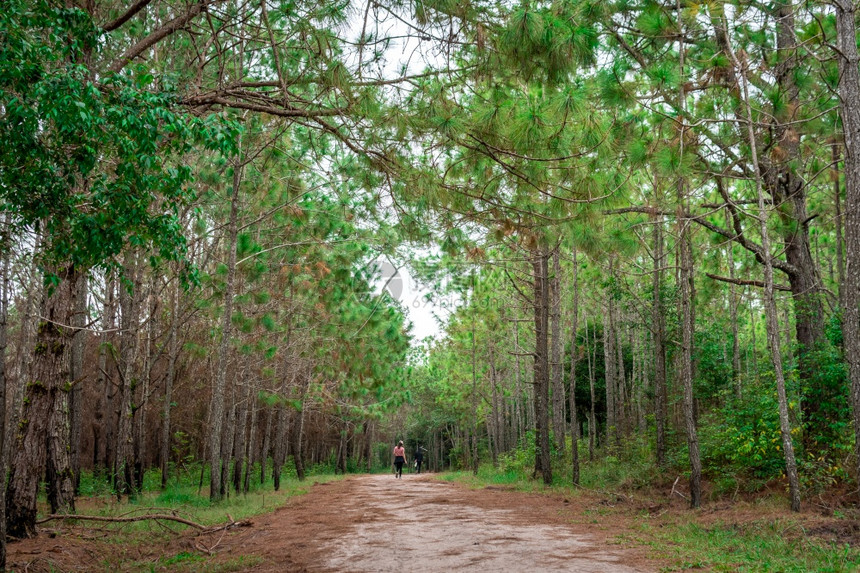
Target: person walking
418	457
399	459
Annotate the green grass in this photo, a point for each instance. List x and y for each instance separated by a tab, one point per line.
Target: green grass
194	563
775	544
763	546
184	498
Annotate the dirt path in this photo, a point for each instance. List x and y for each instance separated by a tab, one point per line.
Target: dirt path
378	523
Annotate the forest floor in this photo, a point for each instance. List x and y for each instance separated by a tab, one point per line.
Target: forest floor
379	523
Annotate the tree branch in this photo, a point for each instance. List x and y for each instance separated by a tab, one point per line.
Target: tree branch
168	29
744	282
128	15
158	517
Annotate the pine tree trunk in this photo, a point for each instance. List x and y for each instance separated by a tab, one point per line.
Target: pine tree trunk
733	309
574	357
251	448
838	223
267	441
216	402
558	413
140	440
658	325
240	431
474	448
4	320
621	397
46	393
592	419
24	359
298	447
172	355
540	263
849	96
228	437
789	191
282	429
609	357
76	375
686	316
130	319
771	312
496	434
105	423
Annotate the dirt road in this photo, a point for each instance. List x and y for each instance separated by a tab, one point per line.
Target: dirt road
378	523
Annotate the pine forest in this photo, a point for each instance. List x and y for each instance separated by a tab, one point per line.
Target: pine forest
606	245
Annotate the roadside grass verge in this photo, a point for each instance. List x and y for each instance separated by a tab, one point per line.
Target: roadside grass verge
767	545
761	535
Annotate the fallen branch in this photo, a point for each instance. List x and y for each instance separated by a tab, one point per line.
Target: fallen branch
677	479
156	517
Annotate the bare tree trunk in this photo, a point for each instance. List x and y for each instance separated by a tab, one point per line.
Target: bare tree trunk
658	325
76	376
621	397
216	403
24	356
228	434
4	320
140	445
251	449
518	390
558	414
838	223
240	431
574	357
298	448
733	309
130	320
592	420
474	432
789	191
172	355
772	318
497	432
110	420
849	96
282	427
686	288
609	357
540	262
267	440
46	394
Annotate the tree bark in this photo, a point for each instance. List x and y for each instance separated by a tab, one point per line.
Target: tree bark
130	321
838	223
592	419
45	394
76	377
658	325
574	357
849	97
771	315
609	357
4	319
172	354
540	264
686	317
216	402
558	413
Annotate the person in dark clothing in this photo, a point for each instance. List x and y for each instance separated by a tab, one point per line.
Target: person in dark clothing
418	457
